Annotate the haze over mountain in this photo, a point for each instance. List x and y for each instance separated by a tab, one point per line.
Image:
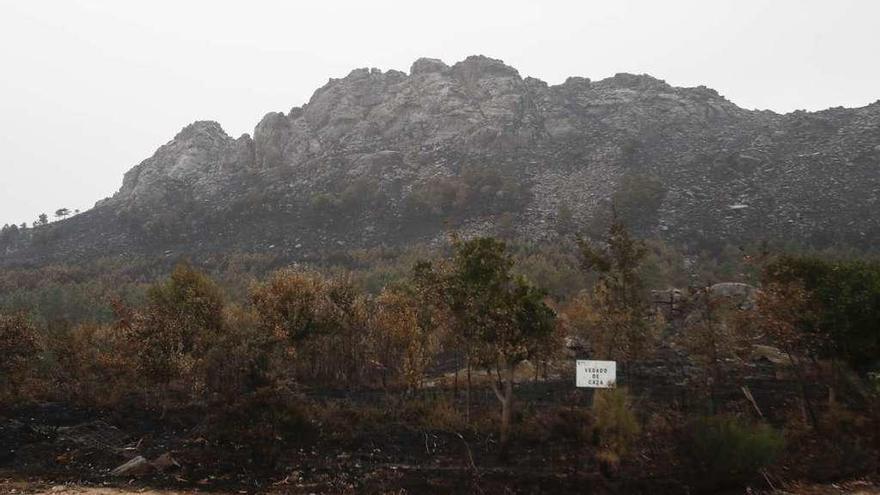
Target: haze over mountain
389	158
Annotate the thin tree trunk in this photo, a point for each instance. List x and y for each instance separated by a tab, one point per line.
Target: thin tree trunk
467	414
455	381
504	392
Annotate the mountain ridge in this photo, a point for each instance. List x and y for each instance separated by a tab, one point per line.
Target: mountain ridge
388	158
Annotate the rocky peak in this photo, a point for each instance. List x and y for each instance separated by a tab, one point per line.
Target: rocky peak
640	82
478	67
201	129
427	66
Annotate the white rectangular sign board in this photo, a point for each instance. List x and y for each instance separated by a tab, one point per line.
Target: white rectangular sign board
596	374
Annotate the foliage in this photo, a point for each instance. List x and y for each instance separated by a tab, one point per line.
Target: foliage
18	348
713	333
324	321
727	449
501	319
183	317
618	328
845	295
477	189
616	427
243	358
405	336
263	423
99	359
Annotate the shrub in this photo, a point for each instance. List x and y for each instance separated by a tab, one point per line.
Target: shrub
324	320
557	424
261	423
847	296
244	359
98	363
616	426
727	449
18	349
182	321
402	338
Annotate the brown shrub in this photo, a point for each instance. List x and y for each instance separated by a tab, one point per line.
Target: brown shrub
97	365
324	320
18	351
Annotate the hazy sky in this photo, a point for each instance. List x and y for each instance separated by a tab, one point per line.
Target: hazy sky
90	88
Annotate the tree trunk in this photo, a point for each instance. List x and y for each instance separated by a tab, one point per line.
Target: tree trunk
467	413
504	392
455	382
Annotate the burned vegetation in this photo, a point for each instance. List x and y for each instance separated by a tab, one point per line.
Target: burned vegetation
449	371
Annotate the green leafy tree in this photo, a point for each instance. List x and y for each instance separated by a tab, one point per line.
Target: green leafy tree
502	319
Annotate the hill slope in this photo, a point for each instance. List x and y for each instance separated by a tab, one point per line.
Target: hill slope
391	158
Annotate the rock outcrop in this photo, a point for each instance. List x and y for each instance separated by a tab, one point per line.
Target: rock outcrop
387	157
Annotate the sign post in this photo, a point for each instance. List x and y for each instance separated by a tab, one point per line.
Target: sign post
596	374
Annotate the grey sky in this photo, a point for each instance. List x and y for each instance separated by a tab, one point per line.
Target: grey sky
90	88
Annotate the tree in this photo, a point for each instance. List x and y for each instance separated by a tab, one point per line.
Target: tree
324	321
845	296
182	320
42	220
712	335
502	319
404	337
62	212
8	232
785	316
621	329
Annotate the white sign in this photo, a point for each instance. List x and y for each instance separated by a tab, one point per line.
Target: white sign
596	374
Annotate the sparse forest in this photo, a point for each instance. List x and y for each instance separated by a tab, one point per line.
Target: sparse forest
447	369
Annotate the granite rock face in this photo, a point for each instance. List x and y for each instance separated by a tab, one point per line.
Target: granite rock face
470	143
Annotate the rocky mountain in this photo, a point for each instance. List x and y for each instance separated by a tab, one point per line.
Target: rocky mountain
388	158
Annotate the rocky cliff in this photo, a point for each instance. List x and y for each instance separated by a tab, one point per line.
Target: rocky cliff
391	158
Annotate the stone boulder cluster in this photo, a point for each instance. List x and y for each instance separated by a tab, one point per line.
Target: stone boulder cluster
354	165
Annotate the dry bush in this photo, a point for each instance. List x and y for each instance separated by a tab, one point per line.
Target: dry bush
171	335
404	340
434	413
243	359
18	351
346	422
324	320
262	424
98	365
557	424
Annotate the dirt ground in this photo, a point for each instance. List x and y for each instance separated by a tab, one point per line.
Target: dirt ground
855	487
